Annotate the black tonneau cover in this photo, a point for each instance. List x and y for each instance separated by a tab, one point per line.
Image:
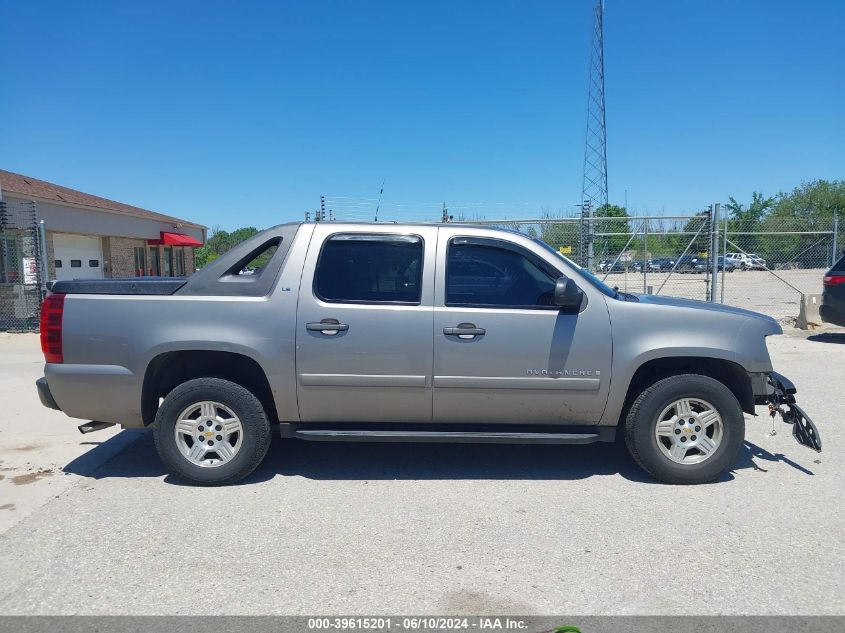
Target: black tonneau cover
130	286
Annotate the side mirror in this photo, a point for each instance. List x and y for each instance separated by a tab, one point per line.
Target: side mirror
567	294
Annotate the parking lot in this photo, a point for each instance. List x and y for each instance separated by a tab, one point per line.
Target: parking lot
93	525
776	293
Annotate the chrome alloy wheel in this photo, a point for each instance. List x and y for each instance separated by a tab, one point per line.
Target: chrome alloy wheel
689	431
208	434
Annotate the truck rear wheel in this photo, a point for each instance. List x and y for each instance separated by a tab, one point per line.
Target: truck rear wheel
211	431
685	429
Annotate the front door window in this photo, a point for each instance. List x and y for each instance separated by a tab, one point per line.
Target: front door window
481	273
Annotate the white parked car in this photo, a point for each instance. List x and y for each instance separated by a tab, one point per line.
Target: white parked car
746	261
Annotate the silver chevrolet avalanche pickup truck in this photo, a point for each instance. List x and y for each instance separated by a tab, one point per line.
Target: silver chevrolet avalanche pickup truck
407	333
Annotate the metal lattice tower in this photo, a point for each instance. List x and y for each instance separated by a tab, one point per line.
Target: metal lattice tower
594	187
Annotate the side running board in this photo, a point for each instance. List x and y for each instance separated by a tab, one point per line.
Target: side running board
586	436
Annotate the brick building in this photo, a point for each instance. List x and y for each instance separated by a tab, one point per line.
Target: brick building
92	237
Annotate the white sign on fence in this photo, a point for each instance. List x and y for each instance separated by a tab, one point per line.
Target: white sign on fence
30	271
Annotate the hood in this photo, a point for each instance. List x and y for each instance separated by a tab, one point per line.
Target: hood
772	326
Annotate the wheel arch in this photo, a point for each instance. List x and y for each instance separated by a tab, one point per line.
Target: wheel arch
731	374
170	369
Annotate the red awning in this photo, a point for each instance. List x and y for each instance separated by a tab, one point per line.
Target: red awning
175	239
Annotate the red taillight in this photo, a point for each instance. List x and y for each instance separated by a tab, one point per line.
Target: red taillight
834	280
51	327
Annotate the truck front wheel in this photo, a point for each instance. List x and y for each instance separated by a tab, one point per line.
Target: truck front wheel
211	431
685	429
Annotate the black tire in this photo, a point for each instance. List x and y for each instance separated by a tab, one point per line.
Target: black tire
253	445
643	417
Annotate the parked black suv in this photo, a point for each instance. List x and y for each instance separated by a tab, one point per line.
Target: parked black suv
832	309
691	264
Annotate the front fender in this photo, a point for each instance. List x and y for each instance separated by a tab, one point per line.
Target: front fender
622	376
677	329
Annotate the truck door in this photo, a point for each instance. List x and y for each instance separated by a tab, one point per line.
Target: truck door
502	351
364	323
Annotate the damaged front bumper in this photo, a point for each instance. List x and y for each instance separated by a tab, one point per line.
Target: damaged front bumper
778	392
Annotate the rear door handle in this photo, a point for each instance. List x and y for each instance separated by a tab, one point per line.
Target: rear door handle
329	327
464	330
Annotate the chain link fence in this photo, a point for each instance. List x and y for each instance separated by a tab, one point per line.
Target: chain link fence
768	264
21	270
666	255
777	261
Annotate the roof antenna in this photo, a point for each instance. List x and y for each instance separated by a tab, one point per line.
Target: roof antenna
378	204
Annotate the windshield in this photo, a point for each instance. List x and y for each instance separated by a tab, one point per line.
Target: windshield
590	277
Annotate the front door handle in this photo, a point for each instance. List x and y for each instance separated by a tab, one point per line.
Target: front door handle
464	330
329	327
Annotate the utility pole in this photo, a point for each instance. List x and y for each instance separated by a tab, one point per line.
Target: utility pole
586	235
594	184
714	250
378	204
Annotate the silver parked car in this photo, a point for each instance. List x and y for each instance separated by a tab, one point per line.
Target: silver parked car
423	333
746	261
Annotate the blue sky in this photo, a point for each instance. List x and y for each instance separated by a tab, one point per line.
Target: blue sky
244	113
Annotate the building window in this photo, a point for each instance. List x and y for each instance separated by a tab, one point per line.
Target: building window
140	261
154	261
93	263
58	263
76	263
167	262
180	262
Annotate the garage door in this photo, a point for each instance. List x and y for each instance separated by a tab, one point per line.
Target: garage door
77	256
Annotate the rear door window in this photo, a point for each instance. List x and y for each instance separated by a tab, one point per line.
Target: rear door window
370	268
839	267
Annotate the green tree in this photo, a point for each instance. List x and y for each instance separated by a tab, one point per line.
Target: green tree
212	248
754	212
743	220
694	234
814	201
609	246
810	208
220	242
557	231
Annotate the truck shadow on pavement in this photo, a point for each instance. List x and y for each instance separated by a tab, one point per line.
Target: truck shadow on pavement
376	461
828	337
